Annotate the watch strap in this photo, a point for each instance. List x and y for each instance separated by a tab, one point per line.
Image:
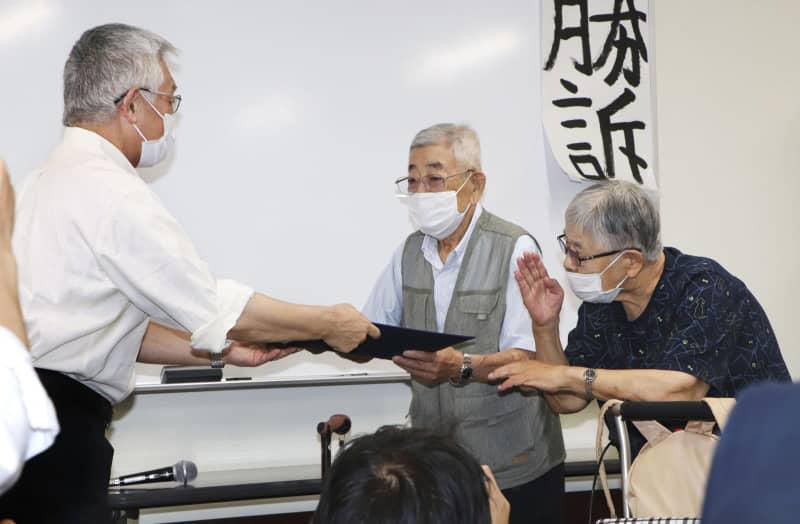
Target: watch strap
217	360
465	373
589	377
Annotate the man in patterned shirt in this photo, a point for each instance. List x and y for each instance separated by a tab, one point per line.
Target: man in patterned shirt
656	324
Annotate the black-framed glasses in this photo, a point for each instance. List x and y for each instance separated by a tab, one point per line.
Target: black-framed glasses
571	253
174	100
433	182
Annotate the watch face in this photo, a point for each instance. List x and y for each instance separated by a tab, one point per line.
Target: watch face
466	373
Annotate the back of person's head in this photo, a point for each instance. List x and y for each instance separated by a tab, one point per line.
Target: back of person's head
104	63
404	475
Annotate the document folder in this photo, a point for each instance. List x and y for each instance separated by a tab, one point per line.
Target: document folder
393	341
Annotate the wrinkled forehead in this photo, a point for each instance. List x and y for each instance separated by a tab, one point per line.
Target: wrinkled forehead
438	157
579	238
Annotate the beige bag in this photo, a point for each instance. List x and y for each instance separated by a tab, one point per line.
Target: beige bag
668	477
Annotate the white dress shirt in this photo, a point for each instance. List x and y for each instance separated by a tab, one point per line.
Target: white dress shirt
28	423
99	256
385	303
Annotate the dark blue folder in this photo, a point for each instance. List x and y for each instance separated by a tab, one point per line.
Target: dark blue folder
393	341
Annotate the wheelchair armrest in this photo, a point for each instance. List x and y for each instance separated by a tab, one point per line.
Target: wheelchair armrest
679	410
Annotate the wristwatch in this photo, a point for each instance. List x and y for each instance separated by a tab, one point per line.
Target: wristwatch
589	377
465	374
217	360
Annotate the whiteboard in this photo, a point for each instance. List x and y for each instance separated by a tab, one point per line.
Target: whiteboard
296	119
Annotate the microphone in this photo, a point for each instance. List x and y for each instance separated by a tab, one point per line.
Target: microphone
183	471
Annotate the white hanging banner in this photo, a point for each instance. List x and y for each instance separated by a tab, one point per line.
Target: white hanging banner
597	106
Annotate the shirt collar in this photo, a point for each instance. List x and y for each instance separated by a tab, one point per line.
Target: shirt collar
80	138
430	246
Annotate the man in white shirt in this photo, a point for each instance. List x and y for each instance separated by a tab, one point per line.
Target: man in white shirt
28	421
456	275
108	276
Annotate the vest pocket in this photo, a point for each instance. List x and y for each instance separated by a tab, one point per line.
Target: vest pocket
478	303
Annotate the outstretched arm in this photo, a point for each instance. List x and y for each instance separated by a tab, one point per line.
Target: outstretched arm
437	367
266	319
165	345
565	388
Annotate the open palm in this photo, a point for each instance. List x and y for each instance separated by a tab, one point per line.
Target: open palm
251	354
541	294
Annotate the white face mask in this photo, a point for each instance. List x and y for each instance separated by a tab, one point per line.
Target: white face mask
435	214
154	151
589	286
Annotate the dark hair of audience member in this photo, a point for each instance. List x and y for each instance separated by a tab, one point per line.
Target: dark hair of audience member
404	475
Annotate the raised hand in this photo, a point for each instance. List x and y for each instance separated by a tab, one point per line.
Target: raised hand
542	295
349	328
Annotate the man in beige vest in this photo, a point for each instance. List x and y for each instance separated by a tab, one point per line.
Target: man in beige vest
454	275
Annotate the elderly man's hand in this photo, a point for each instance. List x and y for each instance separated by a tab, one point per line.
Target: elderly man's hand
6	207
348	328
246	354
530	375
431	368
541	294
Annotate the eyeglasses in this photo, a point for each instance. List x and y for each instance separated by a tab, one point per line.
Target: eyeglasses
571	253
433	182
174	100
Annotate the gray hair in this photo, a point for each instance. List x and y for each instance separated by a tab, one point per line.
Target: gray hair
618	215
104	63
461	139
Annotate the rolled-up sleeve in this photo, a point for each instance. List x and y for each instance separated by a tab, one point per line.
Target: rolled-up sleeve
151	260
232	298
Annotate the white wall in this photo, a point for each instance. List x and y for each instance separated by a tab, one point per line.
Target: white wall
728	86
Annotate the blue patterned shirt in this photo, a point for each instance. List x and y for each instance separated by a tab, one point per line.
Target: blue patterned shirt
700	320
